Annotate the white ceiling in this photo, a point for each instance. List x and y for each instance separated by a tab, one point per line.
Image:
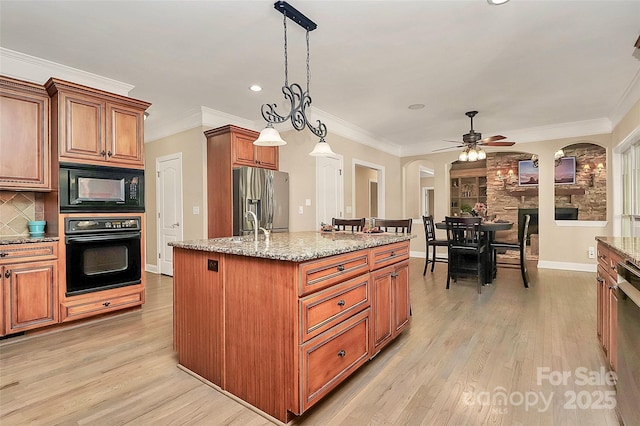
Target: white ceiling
527	66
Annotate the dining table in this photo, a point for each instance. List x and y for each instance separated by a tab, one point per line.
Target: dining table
488	229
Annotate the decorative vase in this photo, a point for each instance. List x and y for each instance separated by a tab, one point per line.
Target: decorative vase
36	228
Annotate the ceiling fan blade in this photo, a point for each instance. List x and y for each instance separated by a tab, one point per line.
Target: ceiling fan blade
493	138
497	144
450	148
447	140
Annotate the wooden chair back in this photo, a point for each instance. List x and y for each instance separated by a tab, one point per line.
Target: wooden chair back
353	225
394	225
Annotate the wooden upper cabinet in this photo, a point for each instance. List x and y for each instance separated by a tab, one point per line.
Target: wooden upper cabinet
25	143
245	153
96	127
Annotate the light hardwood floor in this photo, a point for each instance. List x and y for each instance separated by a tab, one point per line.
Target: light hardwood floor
461	352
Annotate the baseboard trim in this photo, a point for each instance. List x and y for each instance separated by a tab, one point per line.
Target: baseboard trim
567	266
151	268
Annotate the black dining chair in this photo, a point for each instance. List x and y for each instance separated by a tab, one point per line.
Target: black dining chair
394	225
354	225
431	242
466	249
520	245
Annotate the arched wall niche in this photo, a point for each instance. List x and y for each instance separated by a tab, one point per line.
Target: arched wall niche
587	190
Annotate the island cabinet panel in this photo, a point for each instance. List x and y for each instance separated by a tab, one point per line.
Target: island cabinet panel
199	314
261	325
322	273
329	358
388	255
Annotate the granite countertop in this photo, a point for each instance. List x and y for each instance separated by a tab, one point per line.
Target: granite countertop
628	247
25	239
294	246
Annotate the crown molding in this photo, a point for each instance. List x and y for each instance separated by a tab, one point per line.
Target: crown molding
36	70
628	99
534	134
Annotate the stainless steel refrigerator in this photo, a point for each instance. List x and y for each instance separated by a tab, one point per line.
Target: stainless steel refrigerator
264	192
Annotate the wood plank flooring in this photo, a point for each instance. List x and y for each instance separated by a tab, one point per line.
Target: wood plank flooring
462	353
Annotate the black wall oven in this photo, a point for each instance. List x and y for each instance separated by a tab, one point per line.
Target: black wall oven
100	189
102	253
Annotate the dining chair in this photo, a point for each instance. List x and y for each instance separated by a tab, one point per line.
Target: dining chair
354	225
394	225
432	241
520	245
466	249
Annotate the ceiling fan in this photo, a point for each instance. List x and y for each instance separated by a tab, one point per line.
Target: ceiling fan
473	138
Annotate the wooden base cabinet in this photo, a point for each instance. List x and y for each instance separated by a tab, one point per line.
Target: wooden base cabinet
280	335
607	303
29	286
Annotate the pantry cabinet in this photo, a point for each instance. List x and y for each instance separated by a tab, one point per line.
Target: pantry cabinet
29	286
25	143
95	127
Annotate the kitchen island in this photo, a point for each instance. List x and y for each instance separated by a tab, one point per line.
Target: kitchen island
278	324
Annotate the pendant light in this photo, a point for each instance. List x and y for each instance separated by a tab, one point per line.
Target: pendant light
298	98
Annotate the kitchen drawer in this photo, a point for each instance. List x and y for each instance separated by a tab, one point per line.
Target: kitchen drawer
72	310
318	274
614	259
603	256
322	310
388	254
15	253
332	356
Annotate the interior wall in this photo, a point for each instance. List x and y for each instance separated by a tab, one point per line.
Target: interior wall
362	177
192	144
295	159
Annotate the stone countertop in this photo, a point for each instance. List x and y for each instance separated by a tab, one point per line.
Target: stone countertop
294	246
25	239
628	247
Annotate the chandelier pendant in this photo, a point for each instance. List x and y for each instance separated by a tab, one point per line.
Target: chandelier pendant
299	101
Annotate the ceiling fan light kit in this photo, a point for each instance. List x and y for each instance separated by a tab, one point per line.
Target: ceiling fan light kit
472	142
298	98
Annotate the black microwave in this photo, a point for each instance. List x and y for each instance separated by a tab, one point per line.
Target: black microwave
90	189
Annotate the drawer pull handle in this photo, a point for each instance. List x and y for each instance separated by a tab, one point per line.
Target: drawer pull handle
4	254
340	268
394	274
342	353
393	253
7	273
106	303
341	302
600	279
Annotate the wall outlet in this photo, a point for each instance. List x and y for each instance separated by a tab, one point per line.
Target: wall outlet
592	252
196	209
300	209
307	202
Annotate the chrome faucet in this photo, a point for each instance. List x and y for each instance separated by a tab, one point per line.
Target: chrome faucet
267	234
256	226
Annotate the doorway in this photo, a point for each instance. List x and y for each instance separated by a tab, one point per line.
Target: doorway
368	188
169	206
329	188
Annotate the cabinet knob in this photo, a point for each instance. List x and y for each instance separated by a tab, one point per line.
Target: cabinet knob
106	304
341	302
340	268
394	274
4	254
393	253
342	353
600	279
109	153
103	153
7	273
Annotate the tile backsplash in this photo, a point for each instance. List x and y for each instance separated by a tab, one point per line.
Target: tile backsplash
18	208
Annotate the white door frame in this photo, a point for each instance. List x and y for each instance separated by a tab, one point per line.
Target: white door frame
340	158
381	186
174	156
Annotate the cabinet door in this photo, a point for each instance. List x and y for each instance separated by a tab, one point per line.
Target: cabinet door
382	326
401	300
613	327
243	150
25	143
81	128
267	157
600	283
32	295
125	139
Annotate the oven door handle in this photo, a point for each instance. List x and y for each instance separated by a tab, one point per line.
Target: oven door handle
101	237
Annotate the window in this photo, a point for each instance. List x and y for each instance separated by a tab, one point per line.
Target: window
631	191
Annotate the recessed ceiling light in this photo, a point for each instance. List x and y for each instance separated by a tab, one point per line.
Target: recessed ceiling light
416	106
497	2
255	88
